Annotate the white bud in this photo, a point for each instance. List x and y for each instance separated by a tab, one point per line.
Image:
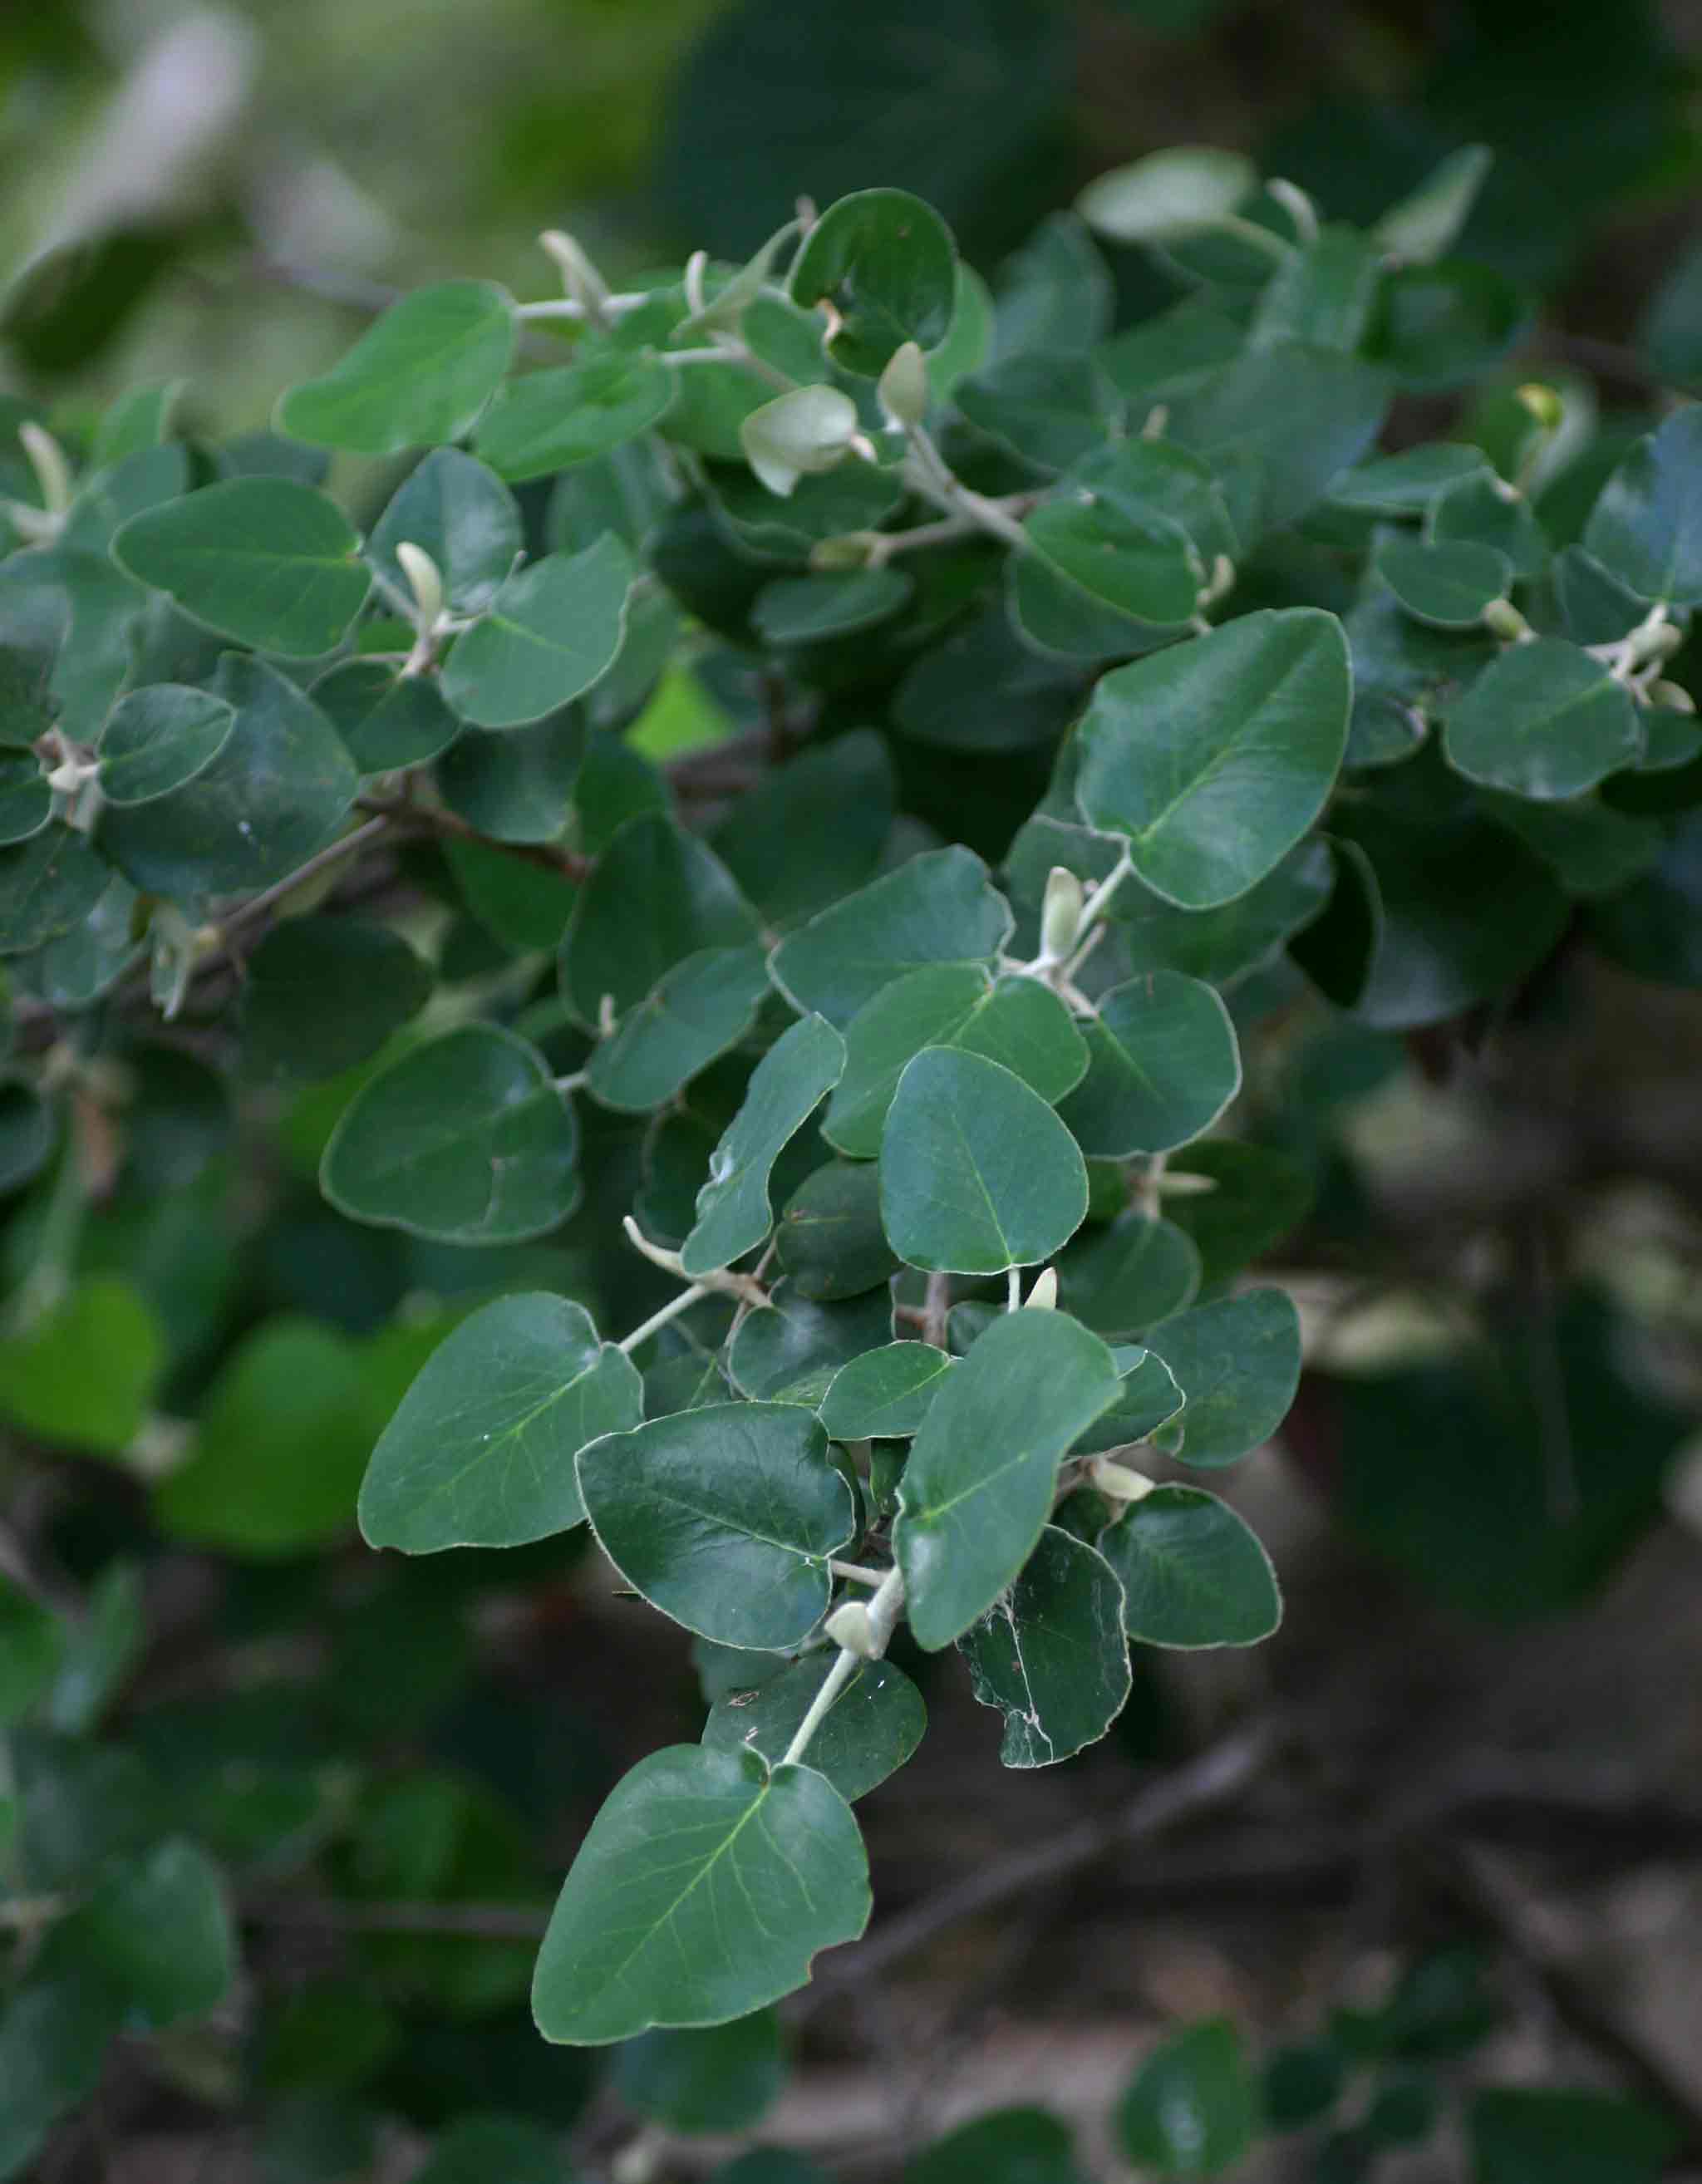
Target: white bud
851	1626
425	581
1116	1482
1673	696
584	284
1061	910
903	389
1504	620
808	430
1043	1296
47	461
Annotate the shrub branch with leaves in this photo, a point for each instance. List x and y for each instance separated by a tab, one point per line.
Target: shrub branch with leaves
1100	667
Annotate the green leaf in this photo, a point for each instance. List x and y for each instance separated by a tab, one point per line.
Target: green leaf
1007	2146
812	830
1192	2108
138	420
265	561
1169	195
552	630
388	721
464	1138
766	1869
723	1518
1519	2132
515	784
1477	511
481	1452
696	1010
1148	1397
1299	414
157	1935
808	609
48	885
887	264
1447	582
160	739
421	373
977	1173
46	1386
830	1238
657	897
1426	224
1221	946
1321	293
323	994
465	519
1544	720
1165	1065
1237	1361
789	1350
1406	484
886	1394
940	907
733	1214
1016	1022
551	421
1214	758
871	1728
978	1489
1122	1278
718	2078
1051	1655
276	791
27	1131
32	1641
473	2150
1193	1572
1647	526
26	802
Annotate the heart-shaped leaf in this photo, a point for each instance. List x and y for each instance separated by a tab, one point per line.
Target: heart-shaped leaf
1193	1572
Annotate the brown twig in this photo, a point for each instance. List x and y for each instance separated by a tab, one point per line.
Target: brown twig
936	1310
433	819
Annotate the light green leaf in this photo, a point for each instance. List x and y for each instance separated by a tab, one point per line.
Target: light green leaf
696	1010
1445	582
723	1518
886	1394
733	1214
977	1173
1425	224
940	907
765	1868
1214	758
481	1452
978	1489
553	629
453	509
1051	1655
264	561
1193	1572
1016	1022
1164	1066
549	421
1169	195
871	1728
465	1138
886	263
1237	1361
1192	2108
421	373
46	1386
1544	720
159	739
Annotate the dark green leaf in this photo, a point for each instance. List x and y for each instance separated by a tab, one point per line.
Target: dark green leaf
806	610
703	1006
388	721
1119	1279
323	994
453	509
1165	1065
658	895
552	630
1647	526
1521	2132
1544	720
716	2079
939	908
886	263
790	1350
1192	2108
884	1393
871	1728
1447	582
1237	1361
1051	1655
1193	1572
159	739
45	1387
812	830
733	1214
157	1935
830	1238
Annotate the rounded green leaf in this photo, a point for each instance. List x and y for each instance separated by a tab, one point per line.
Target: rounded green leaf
869	1732
453	509
1213	757
829	1239
1237	1362
553	629
1545	720
264	560
465	1138
978	1486
1169	195
790	1082
26	802
1165	1065
421	373
723	1518
789	1350
807	610
48	885
1447	581
1121	1279
158	738
388	721
549	421
1193	1572
156	1934
1647	526
696	1012
1148	1397
886	262
764	1870
1050	1653
481	1452
322	993
886	1394
27	1131
1192	2108
46	1386
977	1173
658	896
713	2078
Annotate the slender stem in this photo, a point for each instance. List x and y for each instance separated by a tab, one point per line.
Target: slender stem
657	1320
334	853
927	472
731	352
856	1573
883	1612
1013	1288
